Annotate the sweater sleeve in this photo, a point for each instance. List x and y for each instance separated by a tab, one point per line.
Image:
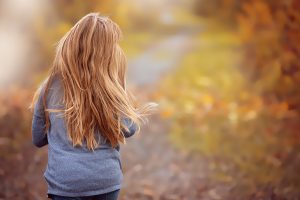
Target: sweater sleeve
131	127
39	137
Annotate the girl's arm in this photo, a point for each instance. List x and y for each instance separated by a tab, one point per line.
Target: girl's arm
39	137
132	128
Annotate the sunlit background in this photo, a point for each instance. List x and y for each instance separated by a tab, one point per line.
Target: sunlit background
226	76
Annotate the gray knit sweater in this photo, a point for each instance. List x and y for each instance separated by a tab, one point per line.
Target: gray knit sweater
75	171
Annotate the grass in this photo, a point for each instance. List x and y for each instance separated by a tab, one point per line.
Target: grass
216	112
135	42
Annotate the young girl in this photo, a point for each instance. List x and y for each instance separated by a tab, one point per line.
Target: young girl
83	111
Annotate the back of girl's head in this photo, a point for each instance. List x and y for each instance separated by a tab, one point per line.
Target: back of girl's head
90	51
92	67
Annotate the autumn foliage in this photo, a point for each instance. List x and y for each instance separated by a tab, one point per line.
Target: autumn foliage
238	94
271	31
231	98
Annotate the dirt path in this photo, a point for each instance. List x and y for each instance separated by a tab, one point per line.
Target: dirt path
153	167
162	57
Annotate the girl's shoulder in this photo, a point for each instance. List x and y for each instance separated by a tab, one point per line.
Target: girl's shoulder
51	90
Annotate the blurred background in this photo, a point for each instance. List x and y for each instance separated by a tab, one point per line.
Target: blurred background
226	75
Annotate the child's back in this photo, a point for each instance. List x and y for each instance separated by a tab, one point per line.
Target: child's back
84	111
74	171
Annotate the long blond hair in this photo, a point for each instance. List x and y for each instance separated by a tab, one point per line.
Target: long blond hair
92	67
